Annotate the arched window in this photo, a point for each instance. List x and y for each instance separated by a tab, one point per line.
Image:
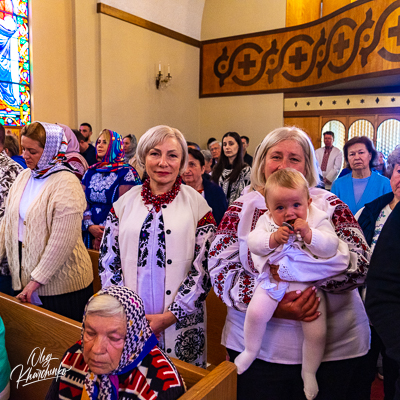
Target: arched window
15	103
338	129
361	127
388	136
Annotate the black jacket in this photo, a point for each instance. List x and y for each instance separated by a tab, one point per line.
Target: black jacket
369	215
383	282
216	199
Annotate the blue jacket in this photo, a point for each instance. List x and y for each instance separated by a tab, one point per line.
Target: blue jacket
216	199
377	186
20	160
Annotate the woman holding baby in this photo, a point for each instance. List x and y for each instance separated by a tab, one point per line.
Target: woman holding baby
276	373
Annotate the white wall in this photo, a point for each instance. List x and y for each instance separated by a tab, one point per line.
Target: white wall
250	115
90	67
130	101
183	16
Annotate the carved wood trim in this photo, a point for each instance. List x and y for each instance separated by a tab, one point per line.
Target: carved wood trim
359	41
343	112
143	23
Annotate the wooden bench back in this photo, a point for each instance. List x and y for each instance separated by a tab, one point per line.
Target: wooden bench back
31	330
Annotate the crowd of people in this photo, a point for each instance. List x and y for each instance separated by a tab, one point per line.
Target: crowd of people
283	240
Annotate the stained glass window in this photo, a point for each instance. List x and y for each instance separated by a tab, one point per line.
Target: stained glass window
15	98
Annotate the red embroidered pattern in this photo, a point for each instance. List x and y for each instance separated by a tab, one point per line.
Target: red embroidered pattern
229	223
246	288
221	278
207	220
165	198
222	244
343	216
348	229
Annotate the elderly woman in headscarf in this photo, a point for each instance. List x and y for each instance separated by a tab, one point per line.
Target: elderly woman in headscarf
117	356
104	183
130	144
72	154
41	229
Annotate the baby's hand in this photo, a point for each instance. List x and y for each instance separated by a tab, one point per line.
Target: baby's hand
302	227
281	236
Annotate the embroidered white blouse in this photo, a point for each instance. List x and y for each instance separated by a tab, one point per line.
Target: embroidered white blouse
160	251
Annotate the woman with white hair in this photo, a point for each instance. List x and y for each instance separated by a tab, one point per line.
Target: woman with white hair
156	242
117	356
276	373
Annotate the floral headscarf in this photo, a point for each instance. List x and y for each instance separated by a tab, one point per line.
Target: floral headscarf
139	341
114	157
53	157
72	154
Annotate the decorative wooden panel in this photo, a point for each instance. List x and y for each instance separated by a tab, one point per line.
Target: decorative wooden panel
361	40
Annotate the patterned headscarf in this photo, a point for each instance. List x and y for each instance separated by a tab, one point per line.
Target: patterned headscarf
53	157
114	157
139	341
73	157
72	141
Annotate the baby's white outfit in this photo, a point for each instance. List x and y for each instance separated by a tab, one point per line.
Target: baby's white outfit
298	261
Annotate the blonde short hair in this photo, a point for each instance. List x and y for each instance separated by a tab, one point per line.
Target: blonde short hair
157	135
286	178
273	138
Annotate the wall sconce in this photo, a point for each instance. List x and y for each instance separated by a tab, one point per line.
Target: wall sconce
162	82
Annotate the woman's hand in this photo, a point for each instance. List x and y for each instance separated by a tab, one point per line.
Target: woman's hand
96	231
160	322
96	244
26	294
299	306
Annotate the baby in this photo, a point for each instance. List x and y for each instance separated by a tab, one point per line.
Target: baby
299	238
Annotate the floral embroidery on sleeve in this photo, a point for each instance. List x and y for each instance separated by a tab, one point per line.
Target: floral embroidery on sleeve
188	304
348	230
232	283
110	269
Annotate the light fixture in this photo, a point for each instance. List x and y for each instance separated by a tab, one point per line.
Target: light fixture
162	82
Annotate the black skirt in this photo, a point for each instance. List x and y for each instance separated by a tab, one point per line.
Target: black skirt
70	305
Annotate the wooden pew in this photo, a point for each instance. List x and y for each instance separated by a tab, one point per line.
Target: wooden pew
29	327
94	257
216	314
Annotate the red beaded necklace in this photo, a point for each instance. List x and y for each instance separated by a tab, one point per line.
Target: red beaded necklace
165	198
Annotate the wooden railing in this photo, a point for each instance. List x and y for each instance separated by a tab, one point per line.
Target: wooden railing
35	335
